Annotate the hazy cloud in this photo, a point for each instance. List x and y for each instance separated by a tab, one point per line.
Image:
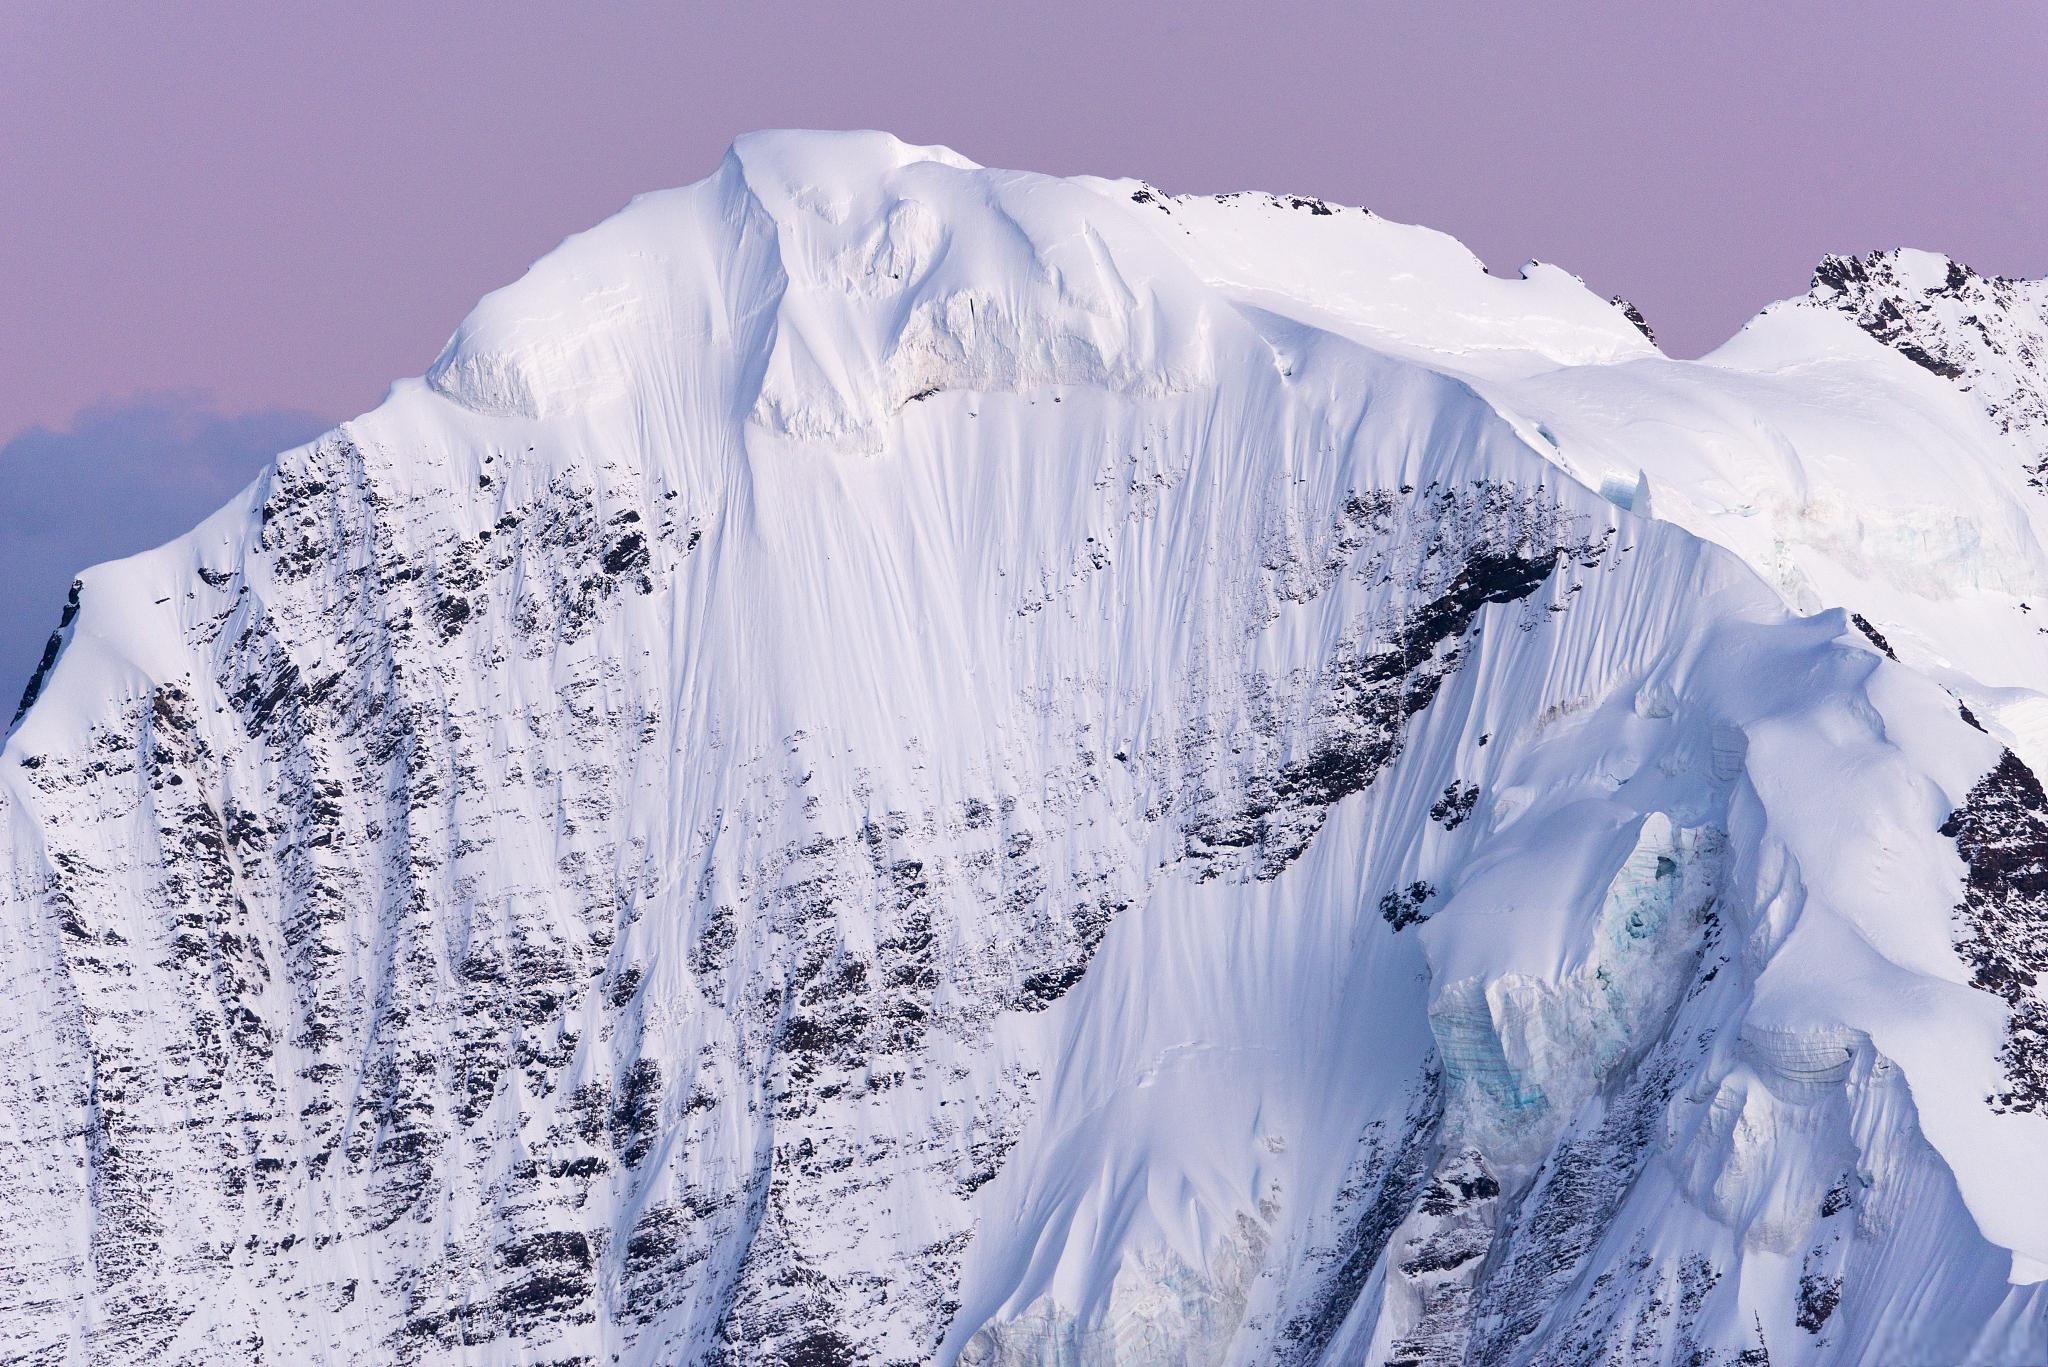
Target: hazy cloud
122	477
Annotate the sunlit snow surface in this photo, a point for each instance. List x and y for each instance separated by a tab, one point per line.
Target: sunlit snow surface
888	761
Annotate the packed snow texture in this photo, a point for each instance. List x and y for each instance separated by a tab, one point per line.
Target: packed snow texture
893	762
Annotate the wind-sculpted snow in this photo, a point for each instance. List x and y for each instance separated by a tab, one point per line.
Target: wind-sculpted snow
890	762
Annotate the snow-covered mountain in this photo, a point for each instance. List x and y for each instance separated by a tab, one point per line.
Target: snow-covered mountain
893	762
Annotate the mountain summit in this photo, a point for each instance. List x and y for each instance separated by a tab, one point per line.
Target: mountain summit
892	762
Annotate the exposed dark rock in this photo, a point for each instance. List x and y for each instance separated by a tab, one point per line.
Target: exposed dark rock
1818	1297
1404	907
1454	808
1872	634
2001	831
1634	315
51	649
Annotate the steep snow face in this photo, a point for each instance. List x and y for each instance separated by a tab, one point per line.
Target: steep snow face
889	761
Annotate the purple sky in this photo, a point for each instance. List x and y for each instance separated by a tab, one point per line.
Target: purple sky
211	212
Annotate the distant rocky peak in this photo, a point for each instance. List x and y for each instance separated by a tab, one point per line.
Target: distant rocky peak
1898	270
1987	333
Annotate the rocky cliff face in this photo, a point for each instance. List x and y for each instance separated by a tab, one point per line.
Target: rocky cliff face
892	762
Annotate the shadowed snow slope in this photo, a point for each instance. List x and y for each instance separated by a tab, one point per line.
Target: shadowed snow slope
893	762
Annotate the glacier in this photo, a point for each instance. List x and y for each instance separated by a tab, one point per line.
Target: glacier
887	762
